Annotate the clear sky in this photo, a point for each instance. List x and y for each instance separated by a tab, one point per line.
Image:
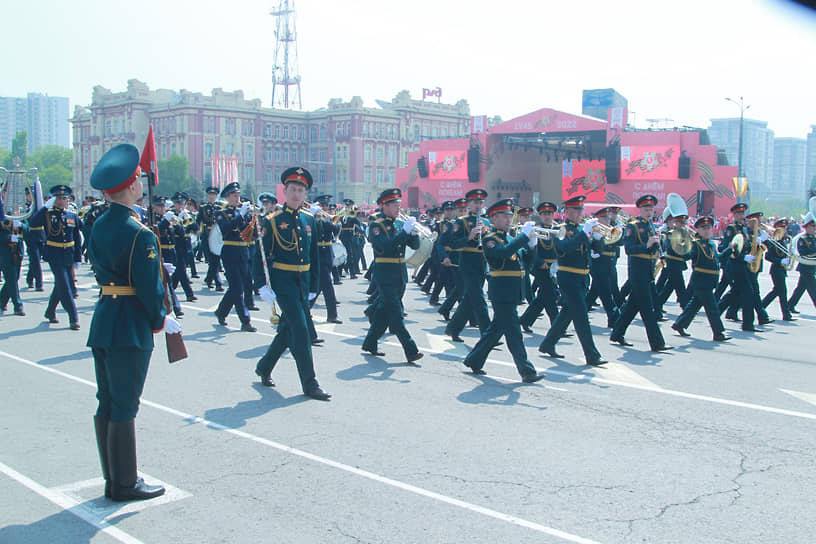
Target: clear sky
675	60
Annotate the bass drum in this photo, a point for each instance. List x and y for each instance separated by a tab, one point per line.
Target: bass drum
416	258
215	240
339	254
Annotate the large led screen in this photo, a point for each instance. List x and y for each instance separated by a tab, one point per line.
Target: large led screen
586	178
649	162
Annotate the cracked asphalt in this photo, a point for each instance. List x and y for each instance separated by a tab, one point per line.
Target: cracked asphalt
699	445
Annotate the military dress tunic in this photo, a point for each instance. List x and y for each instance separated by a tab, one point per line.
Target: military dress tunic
325	235
293	263
34	243
806	245
675	266
641	264
504	289
705	266
472	273
454	292
235	257
388	241
573	253
63	248
11	258
206	222
543	258
779	274
125	259
741	295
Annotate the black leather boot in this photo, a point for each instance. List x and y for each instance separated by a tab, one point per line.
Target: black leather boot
125	482
101	428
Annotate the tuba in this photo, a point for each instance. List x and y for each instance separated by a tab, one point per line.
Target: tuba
14	185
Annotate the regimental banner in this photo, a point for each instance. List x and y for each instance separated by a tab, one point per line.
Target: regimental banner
450	165
649	162
586	178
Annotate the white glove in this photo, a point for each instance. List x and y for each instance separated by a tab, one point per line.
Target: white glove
170	268
588	226
785	261
554	269
312	296
14	238
184	214
76	266
168	216
408	226
268	295
244	209
763	236
527	228
315	208
532	243
597	235
171	326
594	255
749	259
16	223
50	202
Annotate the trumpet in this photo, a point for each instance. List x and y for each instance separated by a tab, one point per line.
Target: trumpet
419	228
610	234
548	233
330	217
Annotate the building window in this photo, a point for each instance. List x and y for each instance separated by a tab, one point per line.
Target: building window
322	175
277	131
268	175
230	149
367	176
379	176
267	131
313	133
367	154
435	132
173	148
322	133
416	133
250	152
208	150
294	154
250	176
365	130
379	154
322	155
286	131
377	131
444	132
277	154
303	133
285	152
313	155
391	155
107	129
268	153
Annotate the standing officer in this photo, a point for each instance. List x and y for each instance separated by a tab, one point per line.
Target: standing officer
468	232
129	310
705	270
63	250
543	259
292	258
206	222
11	259
806	246
232	220
183	244
780	259
504	288
34	241
388	239
573	268
326	231
642	244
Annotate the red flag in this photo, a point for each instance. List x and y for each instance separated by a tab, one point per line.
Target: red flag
148	161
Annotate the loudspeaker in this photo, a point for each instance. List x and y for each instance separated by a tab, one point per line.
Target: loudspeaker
684	166
705	203
473	159
613	163
422	167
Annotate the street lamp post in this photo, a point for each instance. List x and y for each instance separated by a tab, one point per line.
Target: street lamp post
742	108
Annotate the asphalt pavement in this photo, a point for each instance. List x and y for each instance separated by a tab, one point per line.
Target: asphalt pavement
707	443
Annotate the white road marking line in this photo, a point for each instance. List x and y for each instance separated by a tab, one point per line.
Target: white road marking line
69	504
311	457
807	397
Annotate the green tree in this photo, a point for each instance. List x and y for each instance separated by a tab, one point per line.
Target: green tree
174	175
19	145
53	164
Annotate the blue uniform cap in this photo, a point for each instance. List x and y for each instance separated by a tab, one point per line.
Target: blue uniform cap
117	168
233	187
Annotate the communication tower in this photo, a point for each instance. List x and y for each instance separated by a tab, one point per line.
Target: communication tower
285	73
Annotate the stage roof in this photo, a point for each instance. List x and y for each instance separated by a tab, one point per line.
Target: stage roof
547	120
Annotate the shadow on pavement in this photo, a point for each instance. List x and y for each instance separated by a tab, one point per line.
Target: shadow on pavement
495	393
374	368
237	416
68	526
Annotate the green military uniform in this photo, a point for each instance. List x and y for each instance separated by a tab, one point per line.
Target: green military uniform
573	271
542	259
741	294
125	259
806	247
705	265
504	289
388	241
11	258
293	263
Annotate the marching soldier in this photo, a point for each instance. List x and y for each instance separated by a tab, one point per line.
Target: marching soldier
450	259
183	246
642	244
443	229
806	246
741	294
325	234
34	241
779	259
675	266
600	265
573	268
758	239
360	239
232	220
293	261
388	239
63	250
206	222
468	232
504	287
524	214
705	265
348	224
543	269
163	220
11	259
129	310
